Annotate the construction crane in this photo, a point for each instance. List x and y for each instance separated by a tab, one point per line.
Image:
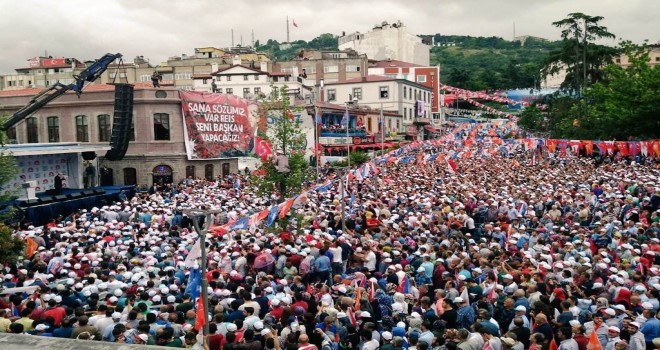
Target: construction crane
90	74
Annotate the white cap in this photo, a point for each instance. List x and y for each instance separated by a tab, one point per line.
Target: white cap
365	314
232	327
614	329
386	335
458	300
521	308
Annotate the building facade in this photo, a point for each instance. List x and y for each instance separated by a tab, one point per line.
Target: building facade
427	76
388	41
378	92
310	66
156	149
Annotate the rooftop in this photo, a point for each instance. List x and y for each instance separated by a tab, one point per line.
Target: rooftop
392	63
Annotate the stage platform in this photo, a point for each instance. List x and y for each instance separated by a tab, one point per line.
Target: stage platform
48	206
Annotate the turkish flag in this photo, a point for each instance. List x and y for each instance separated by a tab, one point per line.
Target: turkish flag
262	148
593	343
199	318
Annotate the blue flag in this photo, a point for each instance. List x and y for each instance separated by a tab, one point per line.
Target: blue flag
324	188
344	119
350	204
194	283
241	224
272	215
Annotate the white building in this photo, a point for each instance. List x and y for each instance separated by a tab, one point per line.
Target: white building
247	82
378	92
388	41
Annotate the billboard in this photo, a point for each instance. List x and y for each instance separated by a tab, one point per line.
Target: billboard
217	125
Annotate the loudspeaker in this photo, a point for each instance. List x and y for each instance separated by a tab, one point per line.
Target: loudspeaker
74	195
89	155
45	200
99	191
121	122
88	193
60	197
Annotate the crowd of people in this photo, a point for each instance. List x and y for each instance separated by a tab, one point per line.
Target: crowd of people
500	253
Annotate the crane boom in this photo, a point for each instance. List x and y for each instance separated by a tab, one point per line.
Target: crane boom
89	74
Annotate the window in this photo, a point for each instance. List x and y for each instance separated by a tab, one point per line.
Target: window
168	76
205	81
398	127
257	91
405	93
230	91
310	70
332	95
53	129
618	60
190	171
357	93
208	172
421	78
352	68
657	59
246	92
145	78
182	76
130	176
161	127
82	128
219	90
11	135
330	69
405	114
104	127
32	130
131	136
229	78
256	77
245	77
384	92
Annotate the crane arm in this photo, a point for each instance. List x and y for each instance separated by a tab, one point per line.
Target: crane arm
90	74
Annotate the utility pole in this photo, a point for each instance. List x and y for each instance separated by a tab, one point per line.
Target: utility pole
197	215
343	195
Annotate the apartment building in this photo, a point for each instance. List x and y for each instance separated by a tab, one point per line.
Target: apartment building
388	41
331	66
409	99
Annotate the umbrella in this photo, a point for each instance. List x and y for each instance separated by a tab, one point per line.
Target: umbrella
263	260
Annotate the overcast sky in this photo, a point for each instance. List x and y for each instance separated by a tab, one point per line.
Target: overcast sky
158	29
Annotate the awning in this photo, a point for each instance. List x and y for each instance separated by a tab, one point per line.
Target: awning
33	149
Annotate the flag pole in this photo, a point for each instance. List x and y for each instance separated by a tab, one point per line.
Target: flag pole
381	123
197	216
348	144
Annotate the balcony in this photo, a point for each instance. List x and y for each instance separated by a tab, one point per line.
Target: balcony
422	121
341	132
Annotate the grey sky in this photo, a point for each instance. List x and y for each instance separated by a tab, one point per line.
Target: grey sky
160	28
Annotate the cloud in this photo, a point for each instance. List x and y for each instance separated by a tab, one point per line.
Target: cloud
159	29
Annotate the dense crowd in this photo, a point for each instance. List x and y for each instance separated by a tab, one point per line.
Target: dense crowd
501	253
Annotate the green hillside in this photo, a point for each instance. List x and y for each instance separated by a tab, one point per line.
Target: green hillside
475	63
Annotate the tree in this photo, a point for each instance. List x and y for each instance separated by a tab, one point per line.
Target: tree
11	247
578	54
625	103
284	134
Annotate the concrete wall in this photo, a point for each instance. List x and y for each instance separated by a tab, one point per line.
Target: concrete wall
388	43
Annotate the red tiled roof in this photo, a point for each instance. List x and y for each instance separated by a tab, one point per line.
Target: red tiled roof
393	63
87	88
201	76
367	79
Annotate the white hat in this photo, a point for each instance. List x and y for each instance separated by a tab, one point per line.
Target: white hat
507	276
232	327
521	308
421	269
386	335
458	300
610	311
365	314
614	329
636	324
647	306
574	323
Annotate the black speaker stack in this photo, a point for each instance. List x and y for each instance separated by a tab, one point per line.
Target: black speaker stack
121	122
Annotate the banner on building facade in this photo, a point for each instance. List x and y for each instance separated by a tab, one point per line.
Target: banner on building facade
217	125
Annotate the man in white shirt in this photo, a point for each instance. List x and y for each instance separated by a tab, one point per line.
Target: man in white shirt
370	260
566	341
337	266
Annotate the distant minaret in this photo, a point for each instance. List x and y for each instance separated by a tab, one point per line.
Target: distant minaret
241	39
232	38
287	30
514	31
252	37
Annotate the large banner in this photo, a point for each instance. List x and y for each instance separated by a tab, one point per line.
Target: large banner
217	125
